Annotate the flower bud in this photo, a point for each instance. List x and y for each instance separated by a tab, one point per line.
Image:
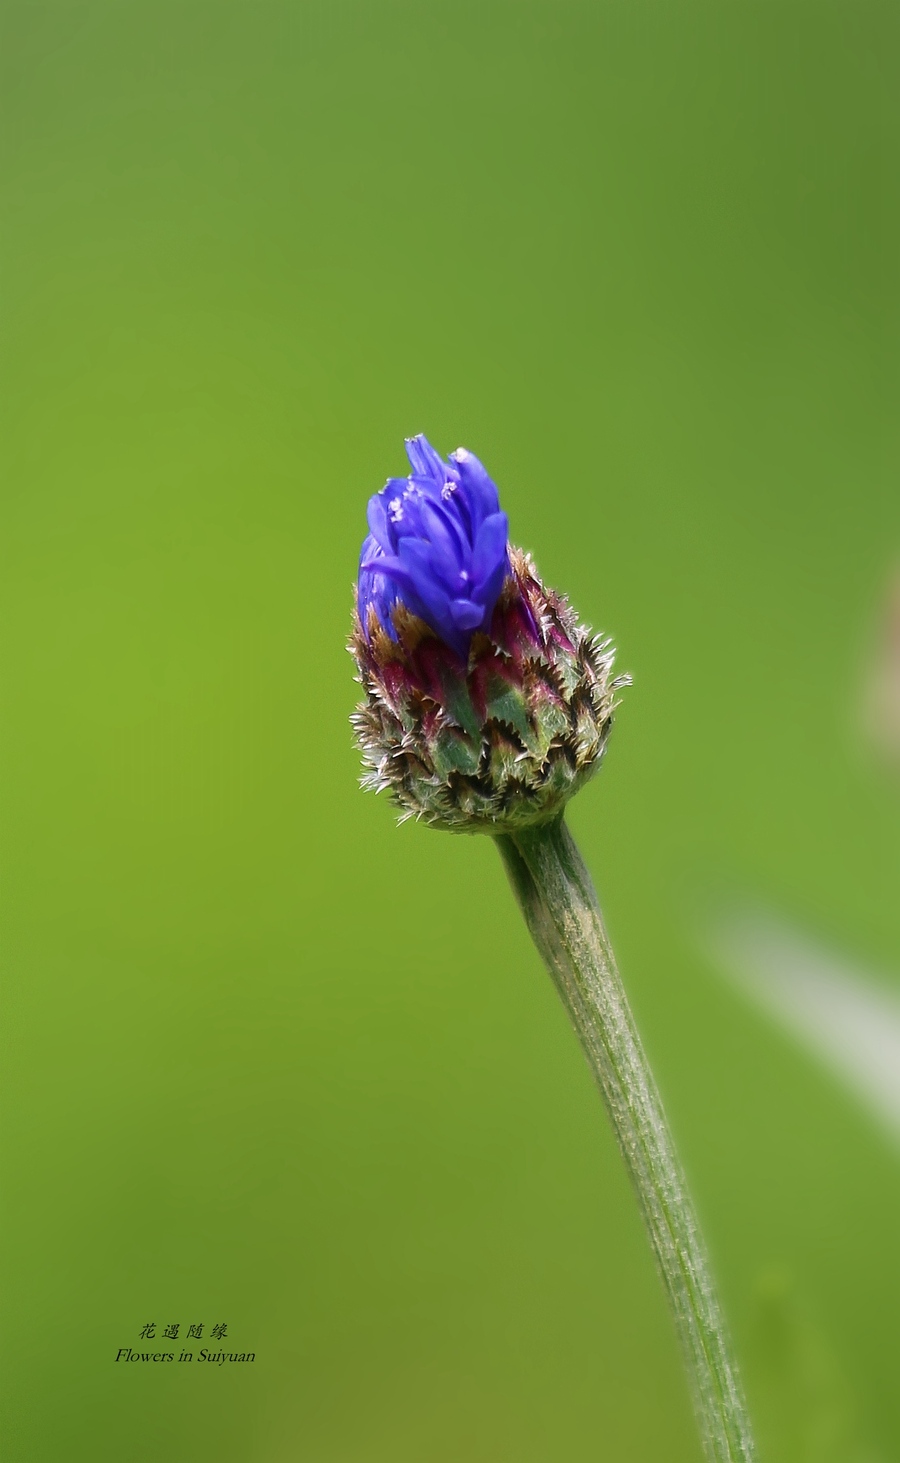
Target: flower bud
487	703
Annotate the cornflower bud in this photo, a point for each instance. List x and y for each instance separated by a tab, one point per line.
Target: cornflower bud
487	703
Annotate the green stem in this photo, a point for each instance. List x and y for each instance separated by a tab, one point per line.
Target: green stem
560	906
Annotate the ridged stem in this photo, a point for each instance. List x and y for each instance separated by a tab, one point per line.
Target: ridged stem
560	906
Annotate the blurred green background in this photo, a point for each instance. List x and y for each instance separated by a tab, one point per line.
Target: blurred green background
266	1059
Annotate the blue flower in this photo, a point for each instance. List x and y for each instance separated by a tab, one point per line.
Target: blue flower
437	543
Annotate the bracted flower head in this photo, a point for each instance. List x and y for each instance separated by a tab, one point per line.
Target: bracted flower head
487	704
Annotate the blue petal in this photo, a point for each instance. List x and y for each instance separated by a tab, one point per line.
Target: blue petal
490	547
455	506
480	491
426	487
374	588
430	587
434	580
369	550
379	524
401	506
442	528
466	615
392	567
423	459
489	591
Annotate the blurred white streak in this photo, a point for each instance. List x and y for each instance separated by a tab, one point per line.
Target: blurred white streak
847	1018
